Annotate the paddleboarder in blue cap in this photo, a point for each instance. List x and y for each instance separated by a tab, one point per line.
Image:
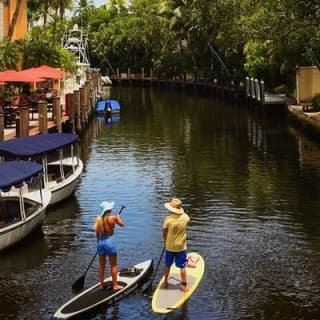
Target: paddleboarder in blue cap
104	227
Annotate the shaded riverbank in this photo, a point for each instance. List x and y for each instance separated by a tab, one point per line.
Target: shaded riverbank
308	121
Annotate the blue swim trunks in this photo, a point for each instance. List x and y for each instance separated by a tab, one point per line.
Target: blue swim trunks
180	258
106	246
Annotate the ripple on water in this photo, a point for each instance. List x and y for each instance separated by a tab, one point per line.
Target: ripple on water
251	194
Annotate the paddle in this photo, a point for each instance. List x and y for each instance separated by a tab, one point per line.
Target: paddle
149	286
79	284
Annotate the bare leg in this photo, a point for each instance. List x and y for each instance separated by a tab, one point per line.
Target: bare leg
183	275
166	275
114	273
102	266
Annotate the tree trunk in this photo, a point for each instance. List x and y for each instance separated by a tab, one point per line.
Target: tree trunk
14	19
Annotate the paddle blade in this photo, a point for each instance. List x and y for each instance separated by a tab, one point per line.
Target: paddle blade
78	285
148	289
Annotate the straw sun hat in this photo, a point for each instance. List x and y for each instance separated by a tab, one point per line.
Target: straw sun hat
174	206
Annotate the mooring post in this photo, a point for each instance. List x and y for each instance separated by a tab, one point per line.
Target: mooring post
83	106
248	95
77	109
262	92
89	98
57	112
23	126
252	92
70	110
257	90
1	126
43	116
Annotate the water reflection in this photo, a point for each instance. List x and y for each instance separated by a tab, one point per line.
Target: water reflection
248	181
60	218
19	257
109	121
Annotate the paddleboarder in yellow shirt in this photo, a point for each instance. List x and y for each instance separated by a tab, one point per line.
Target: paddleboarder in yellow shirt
174	232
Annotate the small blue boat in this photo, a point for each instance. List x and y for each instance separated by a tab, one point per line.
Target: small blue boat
108	107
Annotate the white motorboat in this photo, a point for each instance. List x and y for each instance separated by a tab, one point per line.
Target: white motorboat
59	155
23	202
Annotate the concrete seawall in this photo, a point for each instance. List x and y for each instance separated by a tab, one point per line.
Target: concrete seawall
309	121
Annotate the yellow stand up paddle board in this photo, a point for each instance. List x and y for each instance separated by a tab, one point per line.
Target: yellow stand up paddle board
165	300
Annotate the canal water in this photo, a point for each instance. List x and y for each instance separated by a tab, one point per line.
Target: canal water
249	181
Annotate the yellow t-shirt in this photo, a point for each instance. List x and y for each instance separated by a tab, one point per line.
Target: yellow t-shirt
176	237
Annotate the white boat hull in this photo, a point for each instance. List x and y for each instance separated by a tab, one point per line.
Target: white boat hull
15	232
60	190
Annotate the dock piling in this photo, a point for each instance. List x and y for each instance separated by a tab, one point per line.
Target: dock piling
43	116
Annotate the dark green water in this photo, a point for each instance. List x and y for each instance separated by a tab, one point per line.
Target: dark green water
250	183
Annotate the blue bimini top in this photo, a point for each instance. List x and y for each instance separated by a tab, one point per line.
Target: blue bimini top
15	173
30	146
114	104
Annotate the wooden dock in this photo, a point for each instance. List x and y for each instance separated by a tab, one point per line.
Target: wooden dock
34	129
73	108
248	90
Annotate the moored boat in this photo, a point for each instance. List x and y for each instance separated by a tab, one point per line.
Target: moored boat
23	203
108	107
62	166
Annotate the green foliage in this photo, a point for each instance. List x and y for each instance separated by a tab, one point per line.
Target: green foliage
315	102
259	38
281	89
9	54
257	58
174	64
42	46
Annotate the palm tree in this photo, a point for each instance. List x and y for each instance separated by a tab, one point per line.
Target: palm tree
60	6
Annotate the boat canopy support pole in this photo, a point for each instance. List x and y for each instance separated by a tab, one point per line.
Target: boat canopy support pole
72	158
40	188
45	170
21	203
61	164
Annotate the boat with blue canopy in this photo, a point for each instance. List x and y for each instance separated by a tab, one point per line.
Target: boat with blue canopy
108	107
23	202
59	155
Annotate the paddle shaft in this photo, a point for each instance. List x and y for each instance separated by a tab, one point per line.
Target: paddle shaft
80	282
156	270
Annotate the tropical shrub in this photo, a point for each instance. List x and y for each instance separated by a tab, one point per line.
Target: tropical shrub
315	102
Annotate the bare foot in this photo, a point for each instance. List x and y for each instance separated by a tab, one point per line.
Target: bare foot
192	262
165	284
117	287
184	289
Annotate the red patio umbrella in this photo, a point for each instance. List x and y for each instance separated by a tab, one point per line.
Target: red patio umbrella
18	76
45	71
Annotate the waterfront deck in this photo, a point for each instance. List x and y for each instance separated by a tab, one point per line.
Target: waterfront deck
10	133
239	90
